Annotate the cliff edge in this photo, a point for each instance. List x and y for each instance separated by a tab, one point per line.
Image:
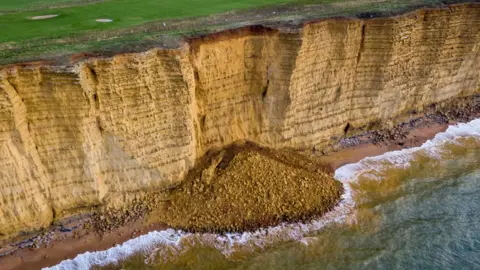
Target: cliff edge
73	137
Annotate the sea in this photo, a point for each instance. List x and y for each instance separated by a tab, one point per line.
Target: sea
417	208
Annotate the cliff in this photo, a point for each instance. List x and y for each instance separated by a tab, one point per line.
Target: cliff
72	137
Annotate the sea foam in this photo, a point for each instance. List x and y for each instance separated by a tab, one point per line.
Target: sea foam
173	242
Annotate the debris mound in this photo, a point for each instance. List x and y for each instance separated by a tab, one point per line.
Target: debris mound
245	187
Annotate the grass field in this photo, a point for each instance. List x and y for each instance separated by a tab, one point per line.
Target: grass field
18	5
141	24
79	19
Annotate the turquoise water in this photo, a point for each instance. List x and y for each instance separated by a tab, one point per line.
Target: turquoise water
411	209
424	217
426	222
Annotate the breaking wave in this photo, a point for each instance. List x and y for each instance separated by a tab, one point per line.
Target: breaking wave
172	242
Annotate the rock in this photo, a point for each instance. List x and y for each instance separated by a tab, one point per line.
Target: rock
253	190
207	103
9	249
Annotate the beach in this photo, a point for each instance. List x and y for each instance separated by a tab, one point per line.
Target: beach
67	245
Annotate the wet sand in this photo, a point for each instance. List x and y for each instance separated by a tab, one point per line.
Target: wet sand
72	245
80	241
416	137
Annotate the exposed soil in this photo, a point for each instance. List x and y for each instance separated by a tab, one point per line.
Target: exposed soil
104	20
43	17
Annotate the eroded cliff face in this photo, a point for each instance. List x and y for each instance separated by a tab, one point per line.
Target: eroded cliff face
94	133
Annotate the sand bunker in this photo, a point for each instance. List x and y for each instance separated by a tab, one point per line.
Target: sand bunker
245	188
104	20
43	17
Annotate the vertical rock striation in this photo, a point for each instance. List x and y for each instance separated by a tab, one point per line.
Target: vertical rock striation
75	137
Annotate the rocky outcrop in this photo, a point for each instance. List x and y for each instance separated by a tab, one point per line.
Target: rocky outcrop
94	133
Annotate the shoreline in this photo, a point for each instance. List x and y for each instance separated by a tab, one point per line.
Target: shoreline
68	244
74	243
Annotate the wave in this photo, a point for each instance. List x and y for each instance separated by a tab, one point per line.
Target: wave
403	158
171	242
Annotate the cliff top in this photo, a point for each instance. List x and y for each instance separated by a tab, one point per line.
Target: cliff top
35	30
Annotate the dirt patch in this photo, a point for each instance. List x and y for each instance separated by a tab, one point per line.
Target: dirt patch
104	20
43	17
245	187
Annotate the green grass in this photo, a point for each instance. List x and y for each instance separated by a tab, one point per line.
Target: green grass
138	24
17	27
19	5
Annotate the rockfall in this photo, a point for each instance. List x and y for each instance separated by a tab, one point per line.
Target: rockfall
95	132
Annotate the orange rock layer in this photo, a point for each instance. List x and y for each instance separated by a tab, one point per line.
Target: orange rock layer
77	136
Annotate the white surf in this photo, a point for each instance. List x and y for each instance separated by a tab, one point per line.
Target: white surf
170	241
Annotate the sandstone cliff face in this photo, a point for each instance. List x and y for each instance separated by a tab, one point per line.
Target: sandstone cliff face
75	137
